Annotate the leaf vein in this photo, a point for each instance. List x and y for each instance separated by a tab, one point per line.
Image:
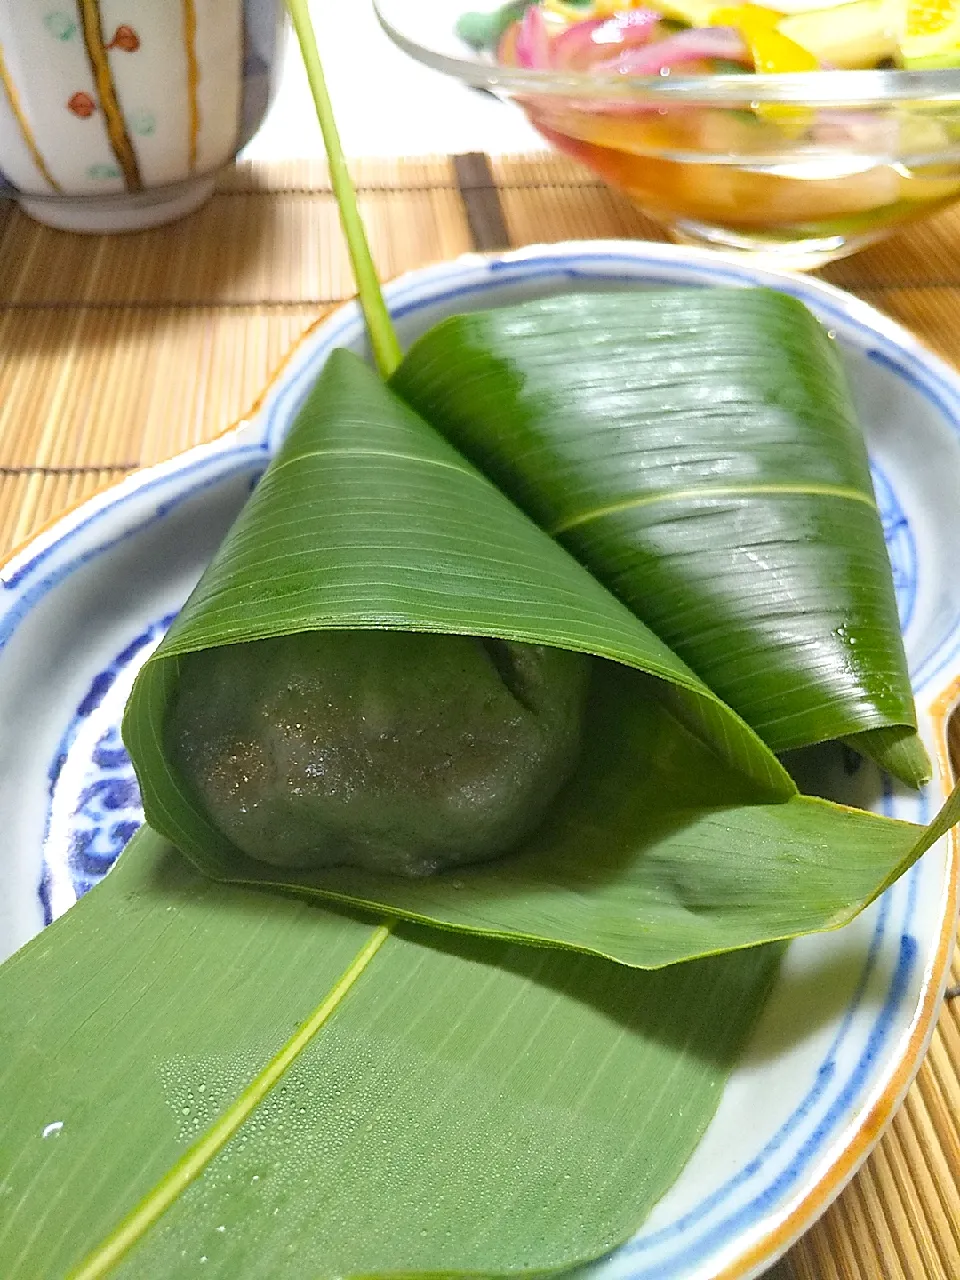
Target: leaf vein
196	1158
715	491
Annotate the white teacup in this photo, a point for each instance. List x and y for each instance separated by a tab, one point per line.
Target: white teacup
116	114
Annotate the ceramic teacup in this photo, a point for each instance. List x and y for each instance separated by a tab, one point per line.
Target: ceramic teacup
116	114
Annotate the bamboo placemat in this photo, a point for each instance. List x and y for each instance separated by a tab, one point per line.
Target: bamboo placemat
118	352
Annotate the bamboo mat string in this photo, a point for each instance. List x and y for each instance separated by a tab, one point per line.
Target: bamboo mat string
116	352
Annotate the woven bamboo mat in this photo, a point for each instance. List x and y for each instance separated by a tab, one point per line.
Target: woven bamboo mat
118	352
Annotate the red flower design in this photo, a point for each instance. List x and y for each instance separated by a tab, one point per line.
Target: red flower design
125	39
82	105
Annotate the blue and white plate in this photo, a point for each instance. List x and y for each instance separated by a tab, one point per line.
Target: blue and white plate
84	603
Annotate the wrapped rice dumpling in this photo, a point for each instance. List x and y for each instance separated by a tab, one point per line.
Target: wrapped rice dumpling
378	590
387	665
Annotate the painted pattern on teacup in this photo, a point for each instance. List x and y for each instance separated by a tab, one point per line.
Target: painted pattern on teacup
102	97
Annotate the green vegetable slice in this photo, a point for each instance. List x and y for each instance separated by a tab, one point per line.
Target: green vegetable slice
698	451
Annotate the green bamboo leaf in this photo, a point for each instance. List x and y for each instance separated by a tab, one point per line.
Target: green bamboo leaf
655	855
368	518
697	450
190	1073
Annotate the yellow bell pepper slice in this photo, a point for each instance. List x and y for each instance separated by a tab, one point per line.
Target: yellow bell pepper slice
772	51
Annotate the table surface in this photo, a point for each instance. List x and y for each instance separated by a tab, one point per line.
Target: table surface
118	352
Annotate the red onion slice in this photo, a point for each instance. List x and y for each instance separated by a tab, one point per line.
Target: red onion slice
533	41
694	45
573	48
577	47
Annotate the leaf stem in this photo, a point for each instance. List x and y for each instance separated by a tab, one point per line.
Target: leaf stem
196	1158
383	336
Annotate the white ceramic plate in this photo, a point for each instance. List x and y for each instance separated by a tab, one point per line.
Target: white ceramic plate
85	601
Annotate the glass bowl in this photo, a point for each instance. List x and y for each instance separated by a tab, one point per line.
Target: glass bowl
796	169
